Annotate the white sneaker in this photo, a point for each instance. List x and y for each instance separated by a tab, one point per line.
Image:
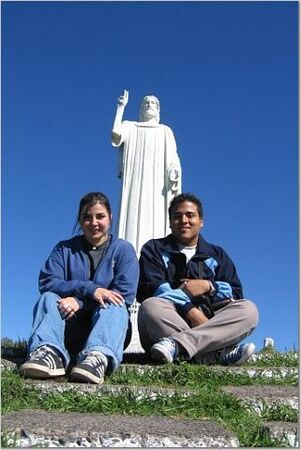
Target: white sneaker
164	351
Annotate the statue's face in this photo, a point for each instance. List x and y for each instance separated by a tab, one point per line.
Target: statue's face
150	108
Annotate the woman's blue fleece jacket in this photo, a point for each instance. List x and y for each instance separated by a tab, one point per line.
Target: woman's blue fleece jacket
66	271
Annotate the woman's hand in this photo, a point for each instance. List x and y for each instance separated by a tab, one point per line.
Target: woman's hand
67	307
102	295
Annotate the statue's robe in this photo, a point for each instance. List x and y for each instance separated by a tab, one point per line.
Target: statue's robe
148	153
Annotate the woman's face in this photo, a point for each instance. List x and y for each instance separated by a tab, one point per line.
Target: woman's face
95	223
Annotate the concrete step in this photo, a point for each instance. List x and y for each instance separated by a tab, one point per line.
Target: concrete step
287	432
257	397
260	397
278	373
138	392
40	428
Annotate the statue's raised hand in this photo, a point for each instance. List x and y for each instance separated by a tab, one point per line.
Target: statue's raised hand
123	99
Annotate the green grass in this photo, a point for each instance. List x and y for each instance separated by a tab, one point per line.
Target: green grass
191	376
270	357
208	401
283	413
8	439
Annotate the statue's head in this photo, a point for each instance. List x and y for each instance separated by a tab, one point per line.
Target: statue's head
149	109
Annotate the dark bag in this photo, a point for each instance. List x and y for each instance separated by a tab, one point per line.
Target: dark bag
219	304
205	303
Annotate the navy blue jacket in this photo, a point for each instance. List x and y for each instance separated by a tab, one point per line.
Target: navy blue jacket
66	272
162	266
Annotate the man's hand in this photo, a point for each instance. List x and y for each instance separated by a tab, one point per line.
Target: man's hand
102	295
194	288
196	317
67	307
123	99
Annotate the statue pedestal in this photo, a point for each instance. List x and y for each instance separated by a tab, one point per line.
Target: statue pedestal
135	345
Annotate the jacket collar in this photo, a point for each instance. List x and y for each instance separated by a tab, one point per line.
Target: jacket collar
82	244
203	249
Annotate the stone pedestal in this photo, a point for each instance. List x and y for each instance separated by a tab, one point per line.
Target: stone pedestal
135	345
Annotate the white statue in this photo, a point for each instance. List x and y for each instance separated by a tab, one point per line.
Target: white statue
150	171
268	342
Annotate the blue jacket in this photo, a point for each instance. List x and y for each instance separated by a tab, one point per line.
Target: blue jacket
66	271
162	266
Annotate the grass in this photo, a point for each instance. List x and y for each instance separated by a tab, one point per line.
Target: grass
8	439
194	376
208	401
270	357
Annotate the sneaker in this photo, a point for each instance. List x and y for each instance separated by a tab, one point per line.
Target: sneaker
44	362
164	351
236	356
91	369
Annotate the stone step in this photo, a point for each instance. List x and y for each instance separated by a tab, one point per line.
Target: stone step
139	392
287	432
40	428
278	373
257	397
260	397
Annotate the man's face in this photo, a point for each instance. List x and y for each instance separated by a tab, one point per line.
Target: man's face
185	223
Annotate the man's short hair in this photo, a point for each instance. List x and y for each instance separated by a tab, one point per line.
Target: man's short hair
185	198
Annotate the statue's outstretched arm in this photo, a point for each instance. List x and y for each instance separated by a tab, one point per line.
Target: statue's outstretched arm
121	104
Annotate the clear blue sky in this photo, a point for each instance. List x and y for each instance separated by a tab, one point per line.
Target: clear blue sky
226	75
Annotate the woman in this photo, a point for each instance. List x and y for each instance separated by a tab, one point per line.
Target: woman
87	285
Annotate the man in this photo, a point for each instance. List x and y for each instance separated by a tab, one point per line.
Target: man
192	301
150	171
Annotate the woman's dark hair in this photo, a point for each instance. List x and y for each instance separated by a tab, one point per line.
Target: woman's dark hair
185	198
89	200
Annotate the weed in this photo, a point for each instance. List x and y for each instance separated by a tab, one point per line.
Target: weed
8	439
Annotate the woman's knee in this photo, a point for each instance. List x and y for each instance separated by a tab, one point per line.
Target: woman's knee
47	301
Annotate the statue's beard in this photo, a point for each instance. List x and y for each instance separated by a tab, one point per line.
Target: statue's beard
148	115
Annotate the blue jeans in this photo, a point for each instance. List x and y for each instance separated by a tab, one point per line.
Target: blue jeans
106	331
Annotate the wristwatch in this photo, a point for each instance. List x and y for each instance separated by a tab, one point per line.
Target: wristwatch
212	291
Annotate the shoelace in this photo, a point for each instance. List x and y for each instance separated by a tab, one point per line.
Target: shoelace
47	354
41	352
231	354
168	344
97	361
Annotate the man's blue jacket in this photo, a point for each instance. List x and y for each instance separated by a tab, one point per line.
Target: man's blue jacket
66	271
163	266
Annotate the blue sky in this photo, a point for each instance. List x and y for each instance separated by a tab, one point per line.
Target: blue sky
226	76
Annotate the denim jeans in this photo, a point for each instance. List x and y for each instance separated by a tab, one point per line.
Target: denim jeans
105	333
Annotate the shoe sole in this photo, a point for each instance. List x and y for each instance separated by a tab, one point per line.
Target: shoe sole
31	370
160	355
84	376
